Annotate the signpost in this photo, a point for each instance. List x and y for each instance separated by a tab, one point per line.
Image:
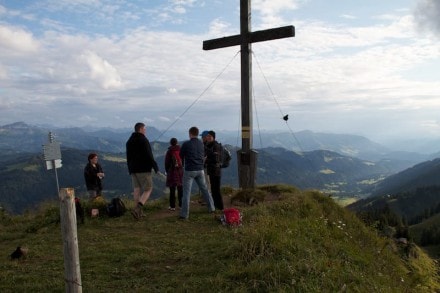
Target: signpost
52	156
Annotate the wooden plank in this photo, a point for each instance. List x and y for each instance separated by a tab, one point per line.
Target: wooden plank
254	37
273	34
222	42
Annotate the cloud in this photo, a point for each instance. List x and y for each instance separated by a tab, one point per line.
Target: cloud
102	71
219	28
15	41
333	76
271	11
427	15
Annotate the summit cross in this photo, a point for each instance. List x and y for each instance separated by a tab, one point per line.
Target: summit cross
247	157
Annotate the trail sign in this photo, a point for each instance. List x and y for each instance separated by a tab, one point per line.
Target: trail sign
52	151
52	156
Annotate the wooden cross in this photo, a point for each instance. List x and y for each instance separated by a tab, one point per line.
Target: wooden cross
247	157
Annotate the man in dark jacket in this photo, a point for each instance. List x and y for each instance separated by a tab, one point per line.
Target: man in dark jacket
213	163
140	161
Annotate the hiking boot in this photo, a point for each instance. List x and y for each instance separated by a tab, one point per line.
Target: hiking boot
137	212
134	214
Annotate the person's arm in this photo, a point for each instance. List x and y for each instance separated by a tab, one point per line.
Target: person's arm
182	154
150	156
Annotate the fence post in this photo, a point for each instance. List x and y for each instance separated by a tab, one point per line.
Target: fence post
72	275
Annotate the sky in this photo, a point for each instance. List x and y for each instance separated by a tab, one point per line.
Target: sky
367	67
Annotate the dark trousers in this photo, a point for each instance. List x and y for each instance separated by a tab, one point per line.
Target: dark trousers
215	191
173	195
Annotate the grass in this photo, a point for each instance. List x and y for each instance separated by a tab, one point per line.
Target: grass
291	241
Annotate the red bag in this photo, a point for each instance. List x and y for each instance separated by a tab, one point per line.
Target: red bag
231	217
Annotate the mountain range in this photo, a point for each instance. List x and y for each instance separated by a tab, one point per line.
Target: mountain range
335	164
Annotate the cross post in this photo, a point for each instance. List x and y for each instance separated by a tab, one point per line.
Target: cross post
246	156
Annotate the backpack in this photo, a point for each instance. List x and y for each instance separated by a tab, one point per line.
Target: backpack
79	210
116	208
225	156
176	161
231	217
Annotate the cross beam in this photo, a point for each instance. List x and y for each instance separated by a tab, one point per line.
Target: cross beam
254	37
247	157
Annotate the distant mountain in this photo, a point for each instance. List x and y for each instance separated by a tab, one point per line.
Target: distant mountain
26	182
345	144
20	137
340	173
428	145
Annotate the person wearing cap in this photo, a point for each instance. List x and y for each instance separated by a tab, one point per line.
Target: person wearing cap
213	166
208	184
192	153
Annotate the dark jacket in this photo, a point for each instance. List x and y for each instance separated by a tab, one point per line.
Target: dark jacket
192	153
213	156
139	155
173	166
92	180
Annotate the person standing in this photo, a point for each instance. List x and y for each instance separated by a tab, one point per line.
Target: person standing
174	169
93	175
213	166
192	154
204	136
208	185
140	161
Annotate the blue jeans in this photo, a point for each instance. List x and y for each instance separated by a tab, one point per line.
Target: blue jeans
199	178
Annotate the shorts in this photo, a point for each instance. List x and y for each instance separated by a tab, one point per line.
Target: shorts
143	181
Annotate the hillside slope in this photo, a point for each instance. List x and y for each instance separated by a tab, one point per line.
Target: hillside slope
408	193
423	174
298	242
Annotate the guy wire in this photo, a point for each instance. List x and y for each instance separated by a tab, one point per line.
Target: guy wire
198	98
287	124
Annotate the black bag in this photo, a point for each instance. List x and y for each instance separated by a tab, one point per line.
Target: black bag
116	208
225	156
79	210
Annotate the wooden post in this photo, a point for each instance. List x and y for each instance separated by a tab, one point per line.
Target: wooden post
72	275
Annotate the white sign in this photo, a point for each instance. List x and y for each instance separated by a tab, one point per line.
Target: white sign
49	164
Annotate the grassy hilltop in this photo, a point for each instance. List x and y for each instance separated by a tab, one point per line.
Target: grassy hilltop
292	241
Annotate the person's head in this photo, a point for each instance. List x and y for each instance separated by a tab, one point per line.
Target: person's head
204	134
211	134
139	127
193	132
173	141
92	157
